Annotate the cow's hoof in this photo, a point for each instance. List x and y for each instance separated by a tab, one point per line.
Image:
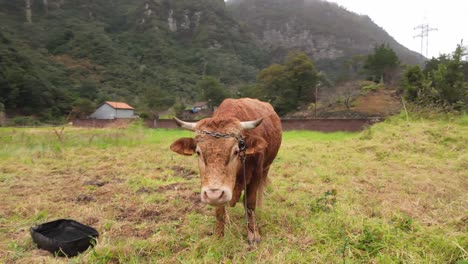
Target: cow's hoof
254	238
219	232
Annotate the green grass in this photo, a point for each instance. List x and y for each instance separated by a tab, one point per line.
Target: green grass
394	193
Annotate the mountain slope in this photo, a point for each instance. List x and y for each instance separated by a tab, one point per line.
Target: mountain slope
325	31
56	53
59	50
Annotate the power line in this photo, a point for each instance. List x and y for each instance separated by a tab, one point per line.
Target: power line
425	29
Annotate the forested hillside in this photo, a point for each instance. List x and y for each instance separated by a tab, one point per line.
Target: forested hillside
117	50
59	55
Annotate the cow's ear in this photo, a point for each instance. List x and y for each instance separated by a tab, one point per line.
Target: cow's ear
255	144
184	146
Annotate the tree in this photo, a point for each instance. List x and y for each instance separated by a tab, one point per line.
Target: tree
449	78
412	83
443	82
83	107
382	64
431	65
345	93
88	89
2	114
272	81
157	100
352	69
212	90
302	76
290	85
249	90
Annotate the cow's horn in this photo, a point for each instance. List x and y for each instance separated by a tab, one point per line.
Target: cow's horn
251	124
185	125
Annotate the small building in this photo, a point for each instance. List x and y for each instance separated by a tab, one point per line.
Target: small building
113	110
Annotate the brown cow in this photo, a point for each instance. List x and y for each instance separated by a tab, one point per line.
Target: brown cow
238	127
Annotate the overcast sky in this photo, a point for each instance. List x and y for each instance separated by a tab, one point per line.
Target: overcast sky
399	17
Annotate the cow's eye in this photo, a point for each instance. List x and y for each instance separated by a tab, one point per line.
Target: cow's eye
198	152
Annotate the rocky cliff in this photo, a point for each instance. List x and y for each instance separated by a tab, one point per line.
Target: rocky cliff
325	31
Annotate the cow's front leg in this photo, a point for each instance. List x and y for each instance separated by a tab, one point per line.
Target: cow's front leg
253	235
220	220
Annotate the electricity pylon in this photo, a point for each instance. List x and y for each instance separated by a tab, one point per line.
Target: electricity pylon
425	29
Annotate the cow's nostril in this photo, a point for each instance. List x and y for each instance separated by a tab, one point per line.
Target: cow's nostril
215	196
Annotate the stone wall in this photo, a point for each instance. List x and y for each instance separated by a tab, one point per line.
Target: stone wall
102	123
326	125
323	125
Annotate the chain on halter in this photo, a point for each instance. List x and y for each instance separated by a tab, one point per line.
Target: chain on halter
240	140
242	156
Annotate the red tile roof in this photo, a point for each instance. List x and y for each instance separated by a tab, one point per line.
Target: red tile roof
119	105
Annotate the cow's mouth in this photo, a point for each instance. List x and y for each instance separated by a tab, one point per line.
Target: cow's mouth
215	196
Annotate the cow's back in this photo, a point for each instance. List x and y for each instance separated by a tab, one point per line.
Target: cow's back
247	109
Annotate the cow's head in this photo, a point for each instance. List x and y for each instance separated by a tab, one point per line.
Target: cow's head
218	157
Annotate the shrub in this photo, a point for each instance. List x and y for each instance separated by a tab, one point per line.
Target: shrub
144	115
443	83
373	87
23	121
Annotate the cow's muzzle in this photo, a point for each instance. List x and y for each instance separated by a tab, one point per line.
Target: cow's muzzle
215	196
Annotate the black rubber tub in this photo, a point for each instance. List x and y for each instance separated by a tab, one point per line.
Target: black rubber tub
64	237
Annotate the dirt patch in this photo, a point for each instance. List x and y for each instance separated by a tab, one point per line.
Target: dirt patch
91	221
462	224
191	201
184	172
163	188
196	204
129	230
166	210
145	190
96	183
147	213
172	187
131	213
83	198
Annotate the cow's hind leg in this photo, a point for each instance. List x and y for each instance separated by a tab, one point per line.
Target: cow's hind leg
261	187
220	220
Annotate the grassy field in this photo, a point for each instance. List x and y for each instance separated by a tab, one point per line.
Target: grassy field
394	193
